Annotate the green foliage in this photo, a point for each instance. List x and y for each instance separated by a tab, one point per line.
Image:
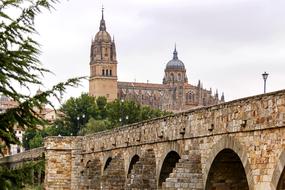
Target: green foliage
119	113
127	112
28	135
18	178
58	128
94	126
101	102
21	68
77	112
36	141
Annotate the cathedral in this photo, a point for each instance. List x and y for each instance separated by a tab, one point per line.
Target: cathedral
174	94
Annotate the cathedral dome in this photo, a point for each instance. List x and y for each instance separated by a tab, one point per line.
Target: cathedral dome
175	63
103	36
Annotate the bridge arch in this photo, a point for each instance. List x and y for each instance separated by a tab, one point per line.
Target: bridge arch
92	173
238	151
107	162
114	173
279	173
133	161
129	154
167	166
144	170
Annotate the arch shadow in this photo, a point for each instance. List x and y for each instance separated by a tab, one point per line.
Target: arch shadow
227	142
168	164
134	160
174	146
107	163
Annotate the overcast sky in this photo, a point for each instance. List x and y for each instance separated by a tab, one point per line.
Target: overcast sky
227	44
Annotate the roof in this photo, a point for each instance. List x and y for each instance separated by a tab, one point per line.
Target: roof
141	85
175	63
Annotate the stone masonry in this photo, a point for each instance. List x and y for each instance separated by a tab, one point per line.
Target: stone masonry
234	145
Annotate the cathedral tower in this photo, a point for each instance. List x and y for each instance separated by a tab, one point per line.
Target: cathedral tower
175	72
176	80
103	65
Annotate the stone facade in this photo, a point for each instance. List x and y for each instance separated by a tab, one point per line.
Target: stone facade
234	145
103	65
174	94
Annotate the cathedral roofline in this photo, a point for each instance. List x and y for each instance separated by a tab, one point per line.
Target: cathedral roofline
141	84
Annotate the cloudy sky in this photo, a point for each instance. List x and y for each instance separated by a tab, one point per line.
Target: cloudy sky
227	44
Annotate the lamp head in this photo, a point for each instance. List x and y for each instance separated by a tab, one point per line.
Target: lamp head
265	75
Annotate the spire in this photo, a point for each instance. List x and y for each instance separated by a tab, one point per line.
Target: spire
199	83
175	56
217	94
223	97
102	12
102	22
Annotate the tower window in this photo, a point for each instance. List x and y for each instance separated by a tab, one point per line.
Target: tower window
110	72
103	72
172	77
107	73
179	77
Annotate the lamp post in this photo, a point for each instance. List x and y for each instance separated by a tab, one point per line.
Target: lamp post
78	118
121	120
265	76
83	118
78	122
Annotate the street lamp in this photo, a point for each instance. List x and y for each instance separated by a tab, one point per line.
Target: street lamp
265	76
78	121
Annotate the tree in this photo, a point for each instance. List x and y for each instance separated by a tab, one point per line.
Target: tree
21	68
77	112
36	141
101	102
94	126
127	112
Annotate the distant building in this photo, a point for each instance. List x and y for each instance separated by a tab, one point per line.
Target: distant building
5	104
47	113
174	94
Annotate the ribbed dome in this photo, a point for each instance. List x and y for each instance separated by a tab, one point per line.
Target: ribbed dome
175	63
103	36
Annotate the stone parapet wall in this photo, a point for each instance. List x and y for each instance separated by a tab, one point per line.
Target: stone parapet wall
18	159
253	113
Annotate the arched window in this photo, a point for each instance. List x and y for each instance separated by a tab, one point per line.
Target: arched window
172	77
103	72
110	72
106	52
179	77
107	72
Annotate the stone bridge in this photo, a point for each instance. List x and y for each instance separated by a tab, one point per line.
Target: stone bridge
235	145
238	145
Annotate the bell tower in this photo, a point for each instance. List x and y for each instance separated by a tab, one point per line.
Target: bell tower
103	64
